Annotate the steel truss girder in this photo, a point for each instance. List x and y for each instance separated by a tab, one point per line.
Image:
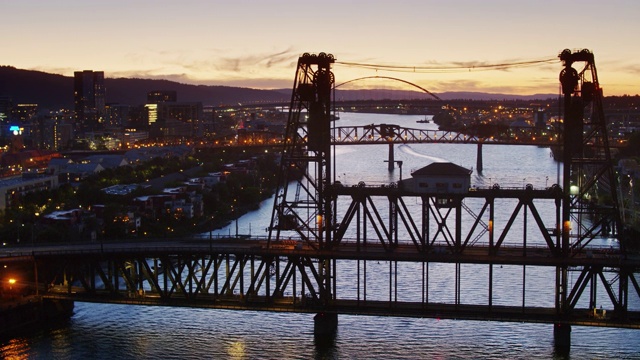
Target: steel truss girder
439	224
292	282
206	277
593	275
395	134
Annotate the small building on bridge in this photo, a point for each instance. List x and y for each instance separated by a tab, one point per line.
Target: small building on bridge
439	177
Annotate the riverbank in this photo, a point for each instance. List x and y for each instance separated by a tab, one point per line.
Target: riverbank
24	314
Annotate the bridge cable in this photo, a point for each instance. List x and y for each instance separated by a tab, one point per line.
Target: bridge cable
462	67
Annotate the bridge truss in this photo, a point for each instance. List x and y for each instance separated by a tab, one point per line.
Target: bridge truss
337	249
587	166
390	133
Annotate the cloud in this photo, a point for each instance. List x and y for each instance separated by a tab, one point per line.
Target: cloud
281	58
212	67
527	88
65	71
622	66
262	83
244	63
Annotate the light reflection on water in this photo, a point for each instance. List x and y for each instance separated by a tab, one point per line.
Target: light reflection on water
101	331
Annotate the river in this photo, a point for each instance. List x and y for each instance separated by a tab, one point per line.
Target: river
100	331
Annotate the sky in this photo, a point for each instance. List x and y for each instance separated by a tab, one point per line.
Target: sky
257	43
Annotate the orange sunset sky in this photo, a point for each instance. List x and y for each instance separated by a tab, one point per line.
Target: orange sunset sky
256	43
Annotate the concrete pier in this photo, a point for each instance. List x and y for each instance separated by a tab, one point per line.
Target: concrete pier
562	338
325	324
479	159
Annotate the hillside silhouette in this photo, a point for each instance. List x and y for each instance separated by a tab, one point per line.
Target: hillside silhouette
56	91
53	91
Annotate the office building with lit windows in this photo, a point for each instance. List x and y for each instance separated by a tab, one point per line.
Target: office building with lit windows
89	100
168	118
161	96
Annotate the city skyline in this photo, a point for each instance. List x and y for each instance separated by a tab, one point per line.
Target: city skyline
256	45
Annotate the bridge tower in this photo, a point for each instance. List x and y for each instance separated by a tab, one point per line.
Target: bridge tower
590	201
303	206
589	180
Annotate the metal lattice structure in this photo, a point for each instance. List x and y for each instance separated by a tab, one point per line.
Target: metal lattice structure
590	202
306	157
388	133
589	177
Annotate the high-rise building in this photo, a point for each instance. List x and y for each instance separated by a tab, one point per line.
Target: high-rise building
168	118
116	115
24	113
89	99
5	109
175	119
161	96
540	118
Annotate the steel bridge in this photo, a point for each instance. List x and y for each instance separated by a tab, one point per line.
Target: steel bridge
396	134
334	249
246	274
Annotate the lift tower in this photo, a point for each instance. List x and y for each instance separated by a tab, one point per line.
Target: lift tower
590	200
304	208
306	157
589	180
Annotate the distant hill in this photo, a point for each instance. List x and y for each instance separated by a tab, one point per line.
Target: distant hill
27	86
468	95
342	95
56	91
134	91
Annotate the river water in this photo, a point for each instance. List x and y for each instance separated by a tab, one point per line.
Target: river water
100	331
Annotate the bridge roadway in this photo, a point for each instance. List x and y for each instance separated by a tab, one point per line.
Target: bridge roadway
347	250
155	248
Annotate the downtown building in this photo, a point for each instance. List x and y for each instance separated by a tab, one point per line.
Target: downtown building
169	119
89	100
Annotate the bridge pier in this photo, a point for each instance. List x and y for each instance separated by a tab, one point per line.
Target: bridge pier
562	338
325	324
392	158
479	158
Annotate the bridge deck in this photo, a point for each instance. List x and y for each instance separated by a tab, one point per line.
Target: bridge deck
360	307
181	283
472	254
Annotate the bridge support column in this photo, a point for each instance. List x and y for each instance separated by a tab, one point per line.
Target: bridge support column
325	324
392	158
479	158
562	338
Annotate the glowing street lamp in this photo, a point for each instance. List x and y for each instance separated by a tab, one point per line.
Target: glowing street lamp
574	190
